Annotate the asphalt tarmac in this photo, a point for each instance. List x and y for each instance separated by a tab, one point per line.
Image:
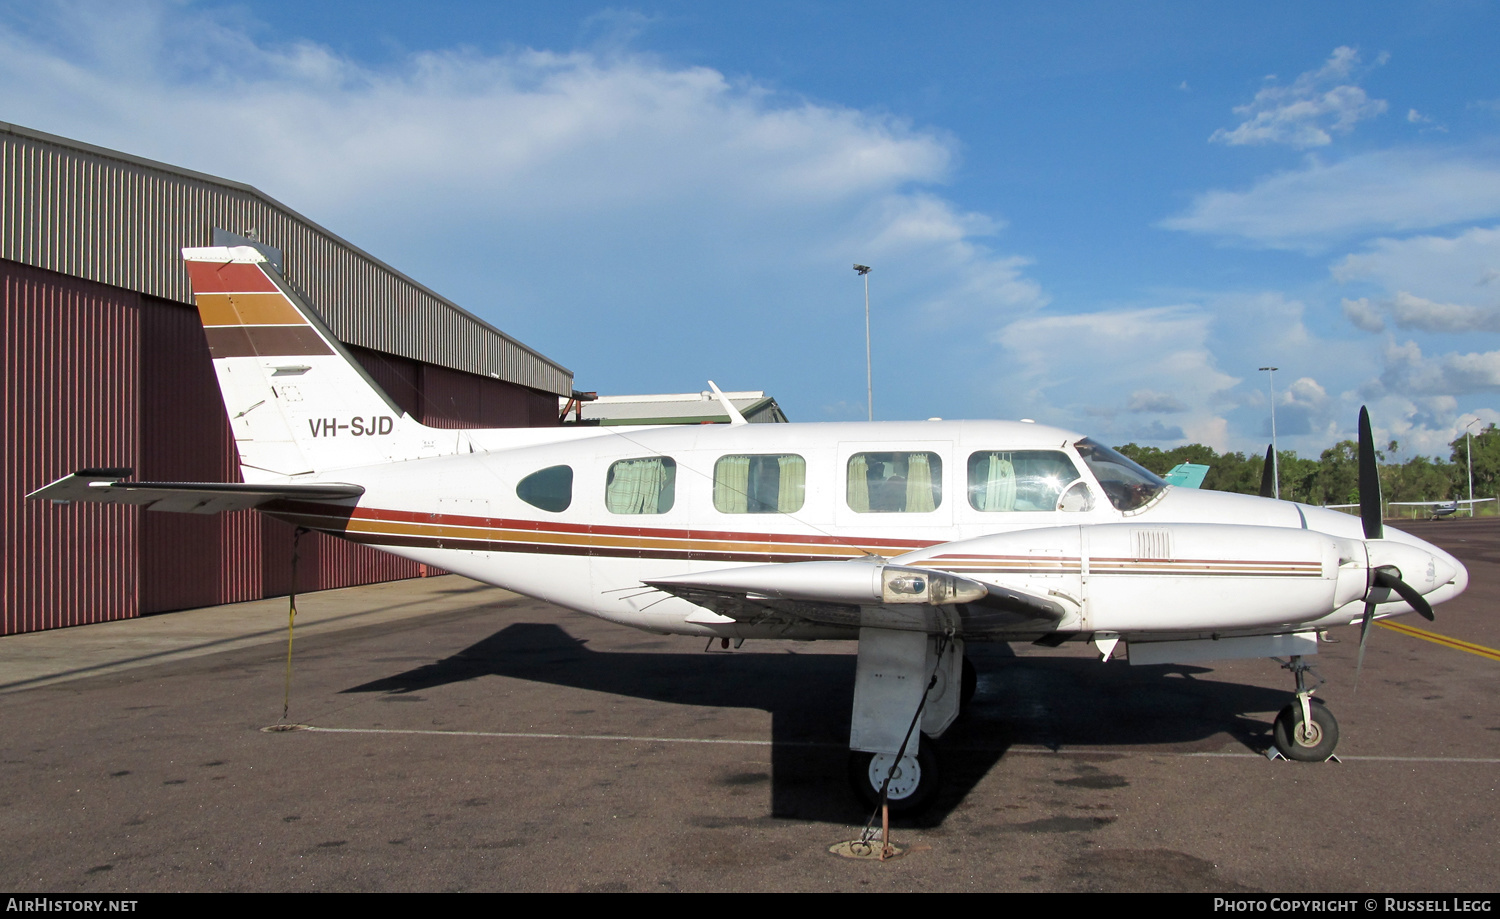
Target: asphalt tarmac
465	739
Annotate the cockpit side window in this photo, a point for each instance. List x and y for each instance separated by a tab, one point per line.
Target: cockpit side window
1129	485
1018	480
550	489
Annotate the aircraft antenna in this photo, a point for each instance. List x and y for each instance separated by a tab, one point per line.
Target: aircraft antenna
734	414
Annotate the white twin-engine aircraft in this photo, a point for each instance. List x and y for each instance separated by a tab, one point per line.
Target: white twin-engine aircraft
913	537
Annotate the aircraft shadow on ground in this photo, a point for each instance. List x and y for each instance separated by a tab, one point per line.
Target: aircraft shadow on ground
1055	702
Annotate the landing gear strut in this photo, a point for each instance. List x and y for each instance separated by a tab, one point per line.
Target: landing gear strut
908	688
1305	730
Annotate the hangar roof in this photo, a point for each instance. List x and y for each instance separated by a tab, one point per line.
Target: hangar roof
117	219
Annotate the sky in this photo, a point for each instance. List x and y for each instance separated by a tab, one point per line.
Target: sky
1101	216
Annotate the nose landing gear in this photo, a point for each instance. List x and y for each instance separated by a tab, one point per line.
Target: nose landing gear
1305	730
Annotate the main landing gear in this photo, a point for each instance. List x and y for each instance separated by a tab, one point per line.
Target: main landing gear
908	689
1305	730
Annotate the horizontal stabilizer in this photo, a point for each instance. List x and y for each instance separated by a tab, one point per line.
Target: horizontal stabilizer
104	486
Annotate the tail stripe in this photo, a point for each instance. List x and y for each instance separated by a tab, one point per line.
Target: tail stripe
228	278
265	341
247	309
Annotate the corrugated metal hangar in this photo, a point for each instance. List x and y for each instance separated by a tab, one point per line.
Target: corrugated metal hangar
106	365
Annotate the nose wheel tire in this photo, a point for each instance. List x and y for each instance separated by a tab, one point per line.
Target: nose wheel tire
1306	742
914	783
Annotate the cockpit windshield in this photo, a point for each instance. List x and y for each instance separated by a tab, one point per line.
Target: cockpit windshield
1129	485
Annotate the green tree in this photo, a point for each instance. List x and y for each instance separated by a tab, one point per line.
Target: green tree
1486	461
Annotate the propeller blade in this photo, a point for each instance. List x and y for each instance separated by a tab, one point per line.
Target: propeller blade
1364	633
1268	475
1388	576
1369	480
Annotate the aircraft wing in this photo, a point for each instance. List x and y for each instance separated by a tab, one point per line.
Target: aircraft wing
1435	503
105	486
865	592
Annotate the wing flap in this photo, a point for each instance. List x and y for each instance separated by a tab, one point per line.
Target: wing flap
105	486
859	594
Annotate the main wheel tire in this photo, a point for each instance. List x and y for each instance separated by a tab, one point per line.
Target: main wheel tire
913	787
1305	743
968	685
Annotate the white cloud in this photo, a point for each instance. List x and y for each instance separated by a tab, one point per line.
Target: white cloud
1409	373
1147	400
1071	367
599	204
1412	312
1363	314
1314	206
1460	268
1303	114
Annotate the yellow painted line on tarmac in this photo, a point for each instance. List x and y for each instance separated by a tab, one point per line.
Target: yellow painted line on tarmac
1443	640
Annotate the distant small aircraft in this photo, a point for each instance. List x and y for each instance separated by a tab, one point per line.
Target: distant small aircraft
912	537
1441	509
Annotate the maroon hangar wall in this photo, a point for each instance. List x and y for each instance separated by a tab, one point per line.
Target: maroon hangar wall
106	365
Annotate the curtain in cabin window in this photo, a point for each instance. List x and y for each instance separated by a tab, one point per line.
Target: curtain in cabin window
643	486
732	485
858	493
999	493
792	483
919	484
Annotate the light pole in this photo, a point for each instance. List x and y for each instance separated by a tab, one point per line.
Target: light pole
1275	457
1469	455
864	272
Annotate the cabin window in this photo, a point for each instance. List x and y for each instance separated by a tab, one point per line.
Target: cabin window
758	484
1128	485
550	489
895	483
641	486
1018	480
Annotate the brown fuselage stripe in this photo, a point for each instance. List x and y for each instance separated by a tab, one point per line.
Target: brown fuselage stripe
855	546
265	341
485	545
583	542
247	309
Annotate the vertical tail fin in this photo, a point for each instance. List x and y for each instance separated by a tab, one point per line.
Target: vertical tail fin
298	402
